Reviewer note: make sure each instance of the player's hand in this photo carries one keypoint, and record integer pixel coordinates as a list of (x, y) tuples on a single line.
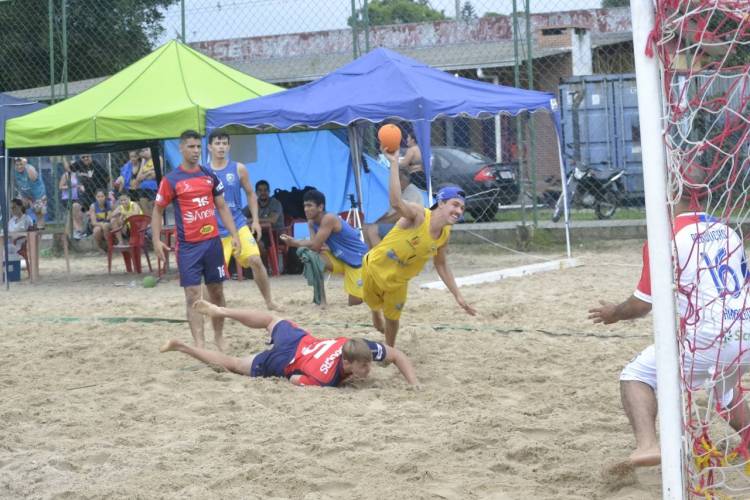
[(257, 230), (236, 246), (286, 239), (604, 314), (391, 157), (466, 306), (159, 247)]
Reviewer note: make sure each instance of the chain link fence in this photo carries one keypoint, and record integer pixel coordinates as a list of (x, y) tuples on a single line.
[(581, 51)]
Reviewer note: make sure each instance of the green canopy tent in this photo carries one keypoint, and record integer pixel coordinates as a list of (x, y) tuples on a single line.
[(155, 98)]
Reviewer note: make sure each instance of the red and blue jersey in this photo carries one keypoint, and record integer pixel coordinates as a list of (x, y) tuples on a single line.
[(318, 361), (192, 193)]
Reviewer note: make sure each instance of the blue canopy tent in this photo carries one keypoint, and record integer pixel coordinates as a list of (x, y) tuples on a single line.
[(381, 85), (10, 107)]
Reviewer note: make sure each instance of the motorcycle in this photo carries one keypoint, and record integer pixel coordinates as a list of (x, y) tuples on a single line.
[(588, 187)]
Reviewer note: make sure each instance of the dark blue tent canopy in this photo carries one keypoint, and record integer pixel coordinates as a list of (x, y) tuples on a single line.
[(10, 107), (379, 85)]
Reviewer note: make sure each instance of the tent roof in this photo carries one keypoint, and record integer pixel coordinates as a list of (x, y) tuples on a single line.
[(379, 85), (157, 97), (11, 107)]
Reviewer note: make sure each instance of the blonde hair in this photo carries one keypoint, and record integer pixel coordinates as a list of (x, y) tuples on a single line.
[(356, 350)]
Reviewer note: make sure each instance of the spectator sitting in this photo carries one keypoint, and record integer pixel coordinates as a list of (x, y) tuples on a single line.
[(145, 182), (18, 224), (375, 232), (118, 221), (70, 191), (99, 215), (412, 161), (92, 175), (128, 173), (31, 189), (270, 212)]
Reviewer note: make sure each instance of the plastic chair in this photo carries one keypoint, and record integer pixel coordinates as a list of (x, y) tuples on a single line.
[(23, 252), (170, 238), (131, 251)]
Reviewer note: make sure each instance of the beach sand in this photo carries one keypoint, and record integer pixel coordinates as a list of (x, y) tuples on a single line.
[(519, 402)]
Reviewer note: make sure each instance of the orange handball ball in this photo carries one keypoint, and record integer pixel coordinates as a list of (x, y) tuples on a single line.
[(389, 136)]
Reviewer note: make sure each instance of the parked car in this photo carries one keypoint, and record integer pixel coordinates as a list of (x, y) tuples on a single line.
[(485, 182)]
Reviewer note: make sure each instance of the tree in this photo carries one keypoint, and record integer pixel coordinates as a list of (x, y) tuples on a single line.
[(102, 38), (468, 12), (615, 3), (381, 12)]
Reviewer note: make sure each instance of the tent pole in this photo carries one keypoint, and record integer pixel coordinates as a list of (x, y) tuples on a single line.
[(354, 149), (564, 182), (4, 212)]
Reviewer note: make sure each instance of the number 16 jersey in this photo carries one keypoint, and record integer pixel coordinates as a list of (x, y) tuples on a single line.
[(711, 276), (192, 194)]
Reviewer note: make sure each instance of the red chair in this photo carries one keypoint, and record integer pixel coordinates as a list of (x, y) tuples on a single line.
[(272, 252), (131, 250), (23, 252), (170, 238)]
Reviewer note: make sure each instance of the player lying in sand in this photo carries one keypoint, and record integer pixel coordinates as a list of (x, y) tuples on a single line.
[(296, 355)]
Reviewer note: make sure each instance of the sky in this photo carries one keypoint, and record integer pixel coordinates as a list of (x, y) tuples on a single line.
[(220, 19)]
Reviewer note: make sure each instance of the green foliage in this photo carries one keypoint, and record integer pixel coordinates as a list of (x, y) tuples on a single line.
[(383, 12), (468, 12), (615, 3), (102, 37)]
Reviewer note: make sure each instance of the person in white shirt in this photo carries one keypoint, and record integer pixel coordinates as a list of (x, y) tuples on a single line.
[(712, 295), (18, 224)]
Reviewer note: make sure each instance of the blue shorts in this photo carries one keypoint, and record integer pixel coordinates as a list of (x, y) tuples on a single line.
[(202, 259), (285, 339)]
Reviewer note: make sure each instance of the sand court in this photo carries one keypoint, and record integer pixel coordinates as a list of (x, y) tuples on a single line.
[(521, 401)]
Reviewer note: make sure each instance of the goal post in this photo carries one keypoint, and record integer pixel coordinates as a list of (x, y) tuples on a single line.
[(663, 311), (692, 60)]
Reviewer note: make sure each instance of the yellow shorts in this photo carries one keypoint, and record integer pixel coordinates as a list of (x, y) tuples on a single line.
[(248, 247), (391, 300), (352, 275)]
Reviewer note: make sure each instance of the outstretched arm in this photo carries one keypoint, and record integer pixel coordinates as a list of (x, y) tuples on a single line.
[(403, 363), (319, 237), (609, 313), (445, 273), (406, 209)]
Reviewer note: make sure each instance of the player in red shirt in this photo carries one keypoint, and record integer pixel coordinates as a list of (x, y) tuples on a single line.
[(196, 195), (296, 355)]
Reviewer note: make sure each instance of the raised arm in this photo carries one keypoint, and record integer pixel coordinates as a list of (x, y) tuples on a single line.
[(446, 275), (33, 176), (630, 308), (403, 363), (406, 209)]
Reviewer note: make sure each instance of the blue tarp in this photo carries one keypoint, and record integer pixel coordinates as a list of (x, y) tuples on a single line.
[(378, 86), (314, 158)]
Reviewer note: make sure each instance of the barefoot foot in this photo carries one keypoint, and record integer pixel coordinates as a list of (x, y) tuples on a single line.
[(645, 457), (221, 343), (170, 345), (272, 306), (206, 308)]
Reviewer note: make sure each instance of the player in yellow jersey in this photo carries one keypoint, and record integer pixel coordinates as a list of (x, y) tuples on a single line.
[(420, 234)]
